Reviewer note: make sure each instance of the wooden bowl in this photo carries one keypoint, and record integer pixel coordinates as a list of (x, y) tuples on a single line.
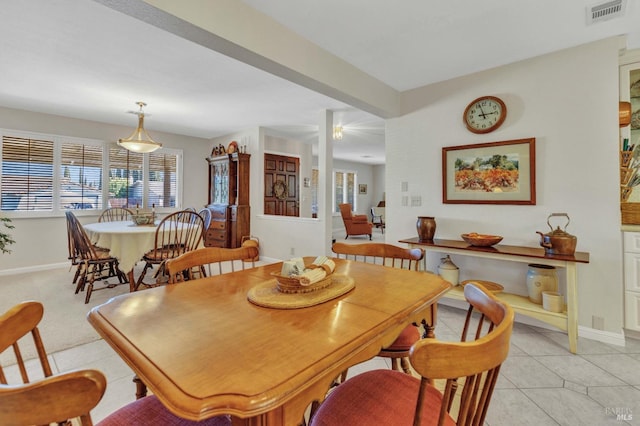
[(481, 240)]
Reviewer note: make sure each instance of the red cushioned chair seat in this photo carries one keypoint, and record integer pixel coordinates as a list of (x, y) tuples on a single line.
[(379, 397), (408, 337), (150, 411)]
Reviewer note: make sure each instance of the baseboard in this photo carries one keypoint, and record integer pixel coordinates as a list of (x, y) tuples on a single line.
[(34, 268), (609, 337), (586, 332)]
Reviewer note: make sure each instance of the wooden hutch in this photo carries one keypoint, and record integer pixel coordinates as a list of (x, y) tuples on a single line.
[(228, 200)]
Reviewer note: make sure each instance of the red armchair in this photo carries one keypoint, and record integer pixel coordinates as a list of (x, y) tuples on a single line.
[(355, 224)]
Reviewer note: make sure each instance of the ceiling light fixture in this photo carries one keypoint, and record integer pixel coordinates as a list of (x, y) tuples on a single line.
[(139, 141), (337, 133)]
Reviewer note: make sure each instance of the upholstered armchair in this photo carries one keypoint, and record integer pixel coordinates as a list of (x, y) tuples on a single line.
[(355, 224)]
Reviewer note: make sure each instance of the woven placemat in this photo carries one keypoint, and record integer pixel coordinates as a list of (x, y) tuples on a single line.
[(489, 285), (268, 296)]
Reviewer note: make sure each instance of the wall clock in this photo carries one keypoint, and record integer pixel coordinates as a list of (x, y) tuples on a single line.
[(485, 114)]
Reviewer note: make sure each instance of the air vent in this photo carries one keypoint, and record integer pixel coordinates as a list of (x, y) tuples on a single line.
[(605, 11)]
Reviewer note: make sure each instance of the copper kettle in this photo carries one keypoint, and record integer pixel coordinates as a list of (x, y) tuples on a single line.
[(558, 241)]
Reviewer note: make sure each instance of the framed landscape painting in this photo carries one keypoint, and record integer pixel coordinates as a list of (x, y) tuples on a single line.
[(490, 173)]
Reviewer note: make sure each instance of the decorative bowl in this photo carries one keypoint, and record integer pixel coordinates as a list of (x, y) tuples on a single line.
[(481, 240), (142, 219)]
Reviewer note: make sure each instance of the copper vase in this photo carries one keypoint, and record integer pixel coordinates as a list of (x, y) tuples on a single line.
[(426, 227)]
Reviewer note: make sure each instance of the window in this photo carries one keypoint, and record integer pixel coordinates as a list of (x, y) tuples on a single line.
[(49, 173), (126, 181), (80, 176), (344, 189), (27, 174)]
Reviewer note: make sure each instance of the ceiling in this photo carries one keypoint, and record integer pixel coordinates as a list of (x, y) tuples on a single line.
[(82, 59)]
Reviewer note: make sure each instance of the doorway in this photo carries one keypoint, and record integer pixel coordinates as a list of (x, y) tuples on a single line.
[(281, 185)]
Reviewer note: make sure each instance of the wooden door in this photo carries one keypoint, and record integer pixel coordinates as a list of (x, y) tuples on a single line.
[(281, 189)]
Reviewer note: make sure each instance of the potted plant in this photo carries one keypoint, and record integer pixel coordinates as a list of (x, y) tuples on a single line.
[(5, 238)]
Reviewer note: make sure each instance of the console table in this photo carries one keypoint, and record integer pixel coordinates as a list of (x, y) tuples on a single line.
[(567, 320)]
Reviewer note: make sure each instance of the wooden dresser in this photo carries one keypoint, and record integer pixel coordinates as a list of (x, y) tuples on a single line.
[(228, 200)]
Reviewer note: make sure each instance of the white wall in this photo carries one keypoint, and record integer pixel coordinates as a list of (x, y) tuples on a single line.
[(568, 101), (43, 241)]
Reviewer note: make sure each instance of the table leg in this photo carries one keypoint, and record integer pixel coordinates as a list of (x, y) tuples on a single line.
[(571, 271)]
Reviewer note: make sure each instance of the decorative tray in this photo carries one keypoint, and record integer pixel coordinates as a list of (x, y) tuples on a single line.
[(481, 240)]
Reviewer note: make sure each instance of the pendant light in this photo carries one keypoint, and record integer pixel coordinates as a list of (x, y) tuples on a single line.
[(139, 141)]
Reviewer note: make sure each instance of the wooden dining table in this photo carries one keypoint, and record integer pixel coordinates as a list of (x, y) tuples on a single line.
[(204, 349)]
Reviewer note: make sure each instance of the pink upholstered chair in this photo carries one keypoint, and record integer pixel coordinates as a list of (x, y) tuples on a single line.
[(355, 224), (385, 397)]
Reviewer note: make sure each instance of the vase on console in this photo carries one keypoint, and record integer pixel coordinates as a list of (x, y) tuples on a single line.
[(426, 227)]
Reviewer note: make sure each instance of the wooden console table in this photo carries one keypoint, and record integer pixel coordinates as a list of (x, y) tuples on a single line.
[(567, 320)]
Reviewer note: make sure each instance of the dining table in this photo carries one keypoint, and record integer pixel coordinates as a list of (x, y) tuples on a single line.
[(205, 349), (125, 240)]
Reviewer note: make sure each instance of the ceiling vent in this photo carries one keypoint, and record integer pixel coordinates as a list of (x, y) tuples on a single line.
[(605, 11)]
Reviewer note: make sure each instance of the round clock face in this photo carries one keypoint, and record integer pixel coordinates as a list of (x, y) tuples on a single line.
[(485, 114)]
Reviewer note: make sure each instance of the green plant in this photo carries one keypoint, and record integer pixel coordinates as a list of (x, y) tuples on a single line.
[(5, 239)]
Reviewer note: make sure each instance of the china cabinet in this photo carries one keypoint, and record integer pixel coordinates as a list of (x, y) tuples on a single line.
[(228, 200)]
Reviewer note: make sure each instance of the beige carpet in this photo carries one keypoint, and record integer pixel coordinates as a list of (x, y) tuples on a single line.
[(64, 324)]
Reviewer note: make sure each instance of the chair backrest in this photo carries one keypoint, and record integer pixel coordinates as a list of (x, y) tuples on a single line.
[(55, 399), (49, 398), (477, 360), (115, 214), (380, 253), (16, 323), (205, 213), (345, 211), (226, 259), (74, 256), (178, 233), (83, 247)]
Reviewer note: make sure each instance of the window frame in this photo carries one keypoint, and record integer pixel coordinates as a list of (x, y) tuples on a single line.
[(345, 172), (58, 141)]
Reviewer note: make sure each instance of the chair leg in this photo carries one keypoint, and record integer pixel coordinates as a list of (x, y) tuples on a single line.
[(369, 237), (144, 272), (405, 365), (141, 388)]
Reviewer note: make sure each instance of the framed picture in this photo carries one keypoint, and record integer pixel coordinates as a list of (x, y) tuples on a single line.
[(490, 173), (362, 188)]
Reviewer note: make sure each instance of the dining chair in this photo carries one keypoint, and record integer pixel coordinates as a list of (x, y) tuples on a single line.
[(226, 259), (205, 213), (73, 255), (471, 366), (176, 234), (395, 257), (94, 261), (113, 214), (59, 398)]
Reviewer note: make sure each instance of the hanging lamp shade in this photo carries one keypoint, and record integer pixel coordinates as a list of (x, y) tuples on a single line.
[(139, 140)]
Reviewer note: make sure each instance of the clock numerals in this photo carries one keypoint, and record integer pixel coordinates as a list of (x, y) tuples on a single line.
[(485, 114)]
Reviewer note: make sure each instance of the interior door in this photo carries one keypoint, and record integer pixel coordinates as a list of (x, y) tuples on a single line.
[(281, 189)]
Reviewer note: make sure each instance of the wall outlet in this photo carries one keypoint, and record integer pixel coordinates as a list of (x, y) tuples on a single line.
[(405, 201), (597, 323), (292, 251), (404, 186), (416, 201)]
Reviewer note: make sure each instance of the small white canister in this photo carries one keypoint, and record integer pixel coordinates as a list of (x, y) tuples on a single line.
[(449, 271)]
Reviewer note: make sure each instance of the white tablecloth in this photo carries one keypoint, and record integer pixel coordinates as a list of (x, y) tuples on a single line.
[(125, 241)]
